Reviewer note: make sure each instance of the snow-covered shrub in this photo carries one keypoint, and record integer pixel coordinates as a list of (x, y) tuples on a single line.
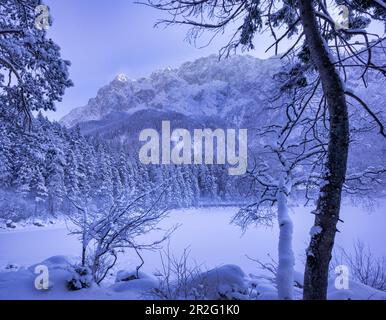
[(81, 278), (38, 223), (175, 277)]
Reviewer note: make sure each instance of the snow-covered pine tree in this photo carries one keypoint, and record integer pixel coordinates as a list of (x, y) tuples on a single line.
[(34, 75), (23, 180), (123, 170), (38, 188), (169, 181), (195, 189), (132, 174), (71, 176), (5, 157), (207, 183), (118, 189), (104, 176), (185, 184)]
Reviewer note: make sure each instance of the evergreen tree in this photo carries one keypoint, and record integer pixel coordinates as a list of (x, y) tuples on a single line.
[(33, 75), (104, 176), (71, 176), (5, 158), (55, 166), (38, 186)]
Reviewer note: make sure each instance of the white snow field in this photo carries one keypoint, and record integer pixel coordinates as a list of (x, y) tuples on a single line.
[(214, 243)]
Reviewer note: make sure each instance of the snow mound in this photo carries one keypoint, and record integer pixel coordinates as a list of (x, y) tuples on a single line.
[(128, 281), (20, 284), (225, 282)]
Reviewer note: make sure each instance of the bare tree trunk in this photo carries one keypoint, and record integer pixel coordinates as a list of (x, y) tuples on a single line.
[(328, 205)]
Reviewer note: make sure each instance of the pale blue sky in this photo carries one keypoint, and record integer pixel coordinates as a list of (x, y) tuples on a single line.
[(104, 38)]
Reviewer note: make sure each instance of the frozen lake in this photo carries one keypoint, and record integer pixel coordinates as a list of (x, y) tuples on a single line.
[(212, 240)]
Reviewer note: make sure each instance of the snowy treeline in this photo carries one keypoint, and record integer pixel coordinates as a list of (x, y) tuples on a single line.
[(41, 169)]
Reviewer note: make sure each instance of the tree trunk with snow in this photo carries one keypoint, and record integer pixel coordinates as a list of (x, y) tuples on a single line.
[(328, 205), (285, 271)]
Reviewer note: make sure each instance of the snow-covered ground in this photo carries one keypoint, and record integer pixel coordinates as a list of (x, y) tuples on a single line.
[(212, 240)]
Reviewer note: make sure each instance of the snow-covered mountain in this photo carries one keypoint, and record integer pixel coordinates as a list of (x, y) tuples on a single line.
[(205, 93), (228, 89)]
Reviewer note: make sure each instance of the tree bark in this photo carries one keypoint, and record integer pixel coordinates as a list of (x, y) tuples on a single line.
[(328, 204)]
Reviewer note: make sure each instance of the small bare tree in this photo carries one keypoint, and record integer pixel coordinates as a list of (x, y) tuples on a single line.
[(106, 232)]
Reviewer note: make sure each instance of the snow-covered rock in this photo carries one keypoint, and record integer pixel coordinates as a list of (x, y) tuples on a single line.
[(10, 224)]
